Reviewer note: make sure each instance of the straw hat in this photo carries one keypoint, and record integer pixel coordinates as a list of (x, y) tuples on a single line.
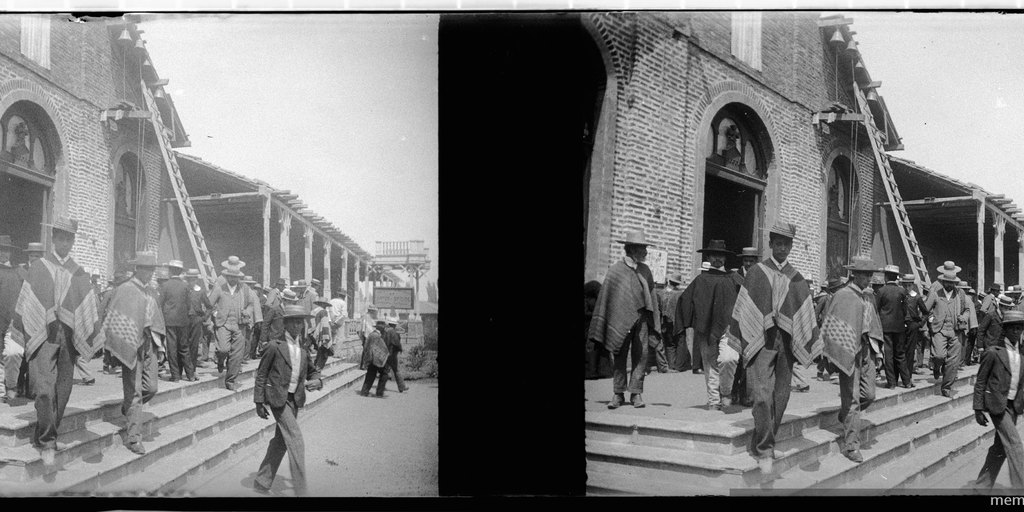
[(295, 311), (786, 229), (908, 278), (861, 264), (1013, 316), (749, 252), (635, 237), (64, 224), (144, 259), (947, 267), (5, 241), (175, 264), (192, 273), (891, 269), (1005, 301), (35, 247)]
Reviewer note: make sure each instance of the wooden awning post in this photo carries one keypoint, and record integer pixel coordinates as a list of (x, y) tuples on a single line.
[(307, 240), (266, 237), (327, 269), (286, 230), (980, 197), (997, 254)]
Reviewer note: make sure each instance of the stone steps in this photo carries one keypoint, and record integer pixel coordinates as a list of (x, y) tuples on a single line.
[(684, 458), (95, 455), (726, 437)]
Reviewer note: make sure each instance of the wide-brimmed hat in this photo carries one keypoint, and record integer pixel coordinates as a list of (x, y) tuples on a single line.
[(749, 252), (295, 311), (392, 320), (64, 224), (315, 281), (1013, 316), (35, 247), (233, 262), (175, 264), (144, 259), (371, 307), (948, 266), (995, 286), (949, 277), (1004, 301), (891, 269), (716, 247), (5, 241), (192, 273), (676, 278), (908, 278), (877, 279), (861, 264), (301, 283), (635, 237), (248, 280), (281, 281), (1013, 288), (786, 229), (322, 303), (833, 283), (963, 285), (381, 321), (289, 295)]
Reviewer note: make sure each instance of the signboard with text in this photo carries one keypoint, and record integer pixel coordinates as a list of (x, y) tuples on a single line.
[(394, 298), (657, 259)]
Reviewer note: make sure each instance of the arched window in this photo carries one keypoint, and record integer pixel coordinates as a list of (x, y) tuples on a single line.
[(26, 139), (843, 191), (734, 144), (128, 197)]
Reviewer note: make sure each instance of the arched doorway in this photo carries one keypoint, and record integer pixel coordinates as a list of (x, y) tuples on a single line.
[(842, 198), (27, 172), (591, 99), (736, 167), (128, 184)]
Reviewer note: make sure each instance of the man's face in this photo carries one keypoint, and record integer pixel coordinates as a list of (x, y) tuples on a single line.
[(948, 285), (294, 326), (32, 256), (748, 261), (861, 279), (144, 274), (637, 252), (717, 260), (372, 313), (1013, 332), (280, 287), (232, 280), (780, 246), (63, 242)]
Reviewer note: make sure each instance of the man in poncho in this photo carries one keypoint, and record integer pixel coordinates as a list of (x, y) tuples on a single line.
[(773, 324), (56, 320), (706, 305), (134, 332), (375, 360), (626, 317), (851, 332), (320, 337)]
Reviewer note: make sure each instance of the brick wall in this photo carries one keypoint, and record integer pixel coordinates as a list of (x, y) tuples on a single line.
[(87, 74), (670, 69)]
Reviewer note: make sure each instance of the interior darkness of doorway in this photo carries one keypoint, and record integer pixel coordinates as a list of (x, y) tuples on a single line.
[(729, 214), (21, 212)]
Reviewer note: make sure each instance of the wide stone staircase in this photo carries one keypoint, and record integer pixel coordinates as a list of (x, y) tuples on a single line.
[(190, 428), (907, 435)]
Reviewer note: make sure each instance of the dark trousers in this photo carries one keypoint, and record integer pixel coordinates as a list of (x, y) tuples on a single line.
[(179, 352), (856, 392), (684, 361), (254, 345), (894, 358), (599, 361), (372, 372), (969, 340), (393, 365), (139, 385), (697, 359), (946, 358), (769, 376), (670, 343), (246, 335), (287, 438), (195, 340), (634, 345), (51, 374), (1007, 445)]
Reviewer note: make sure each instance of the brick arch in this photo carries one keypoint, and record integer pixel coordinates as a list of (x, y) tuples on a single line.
[(123, 146), (602, 166), (15, 90), (715, 98), (835, 150), (598, 27)]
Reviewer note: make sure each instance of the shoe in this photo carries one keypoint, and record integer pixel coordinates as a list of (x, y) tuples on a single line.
[(11, 396), (366, 393), (947, 394), (853, 455), (137, 448), (726, 402), (637, 401), (617, 401), (259, 488), (698, 371), (748, 402), (765, 465), (403, 390), (803, 389), (670, 370), (89, 382), (48, 455), (890, 386), (662, 370)]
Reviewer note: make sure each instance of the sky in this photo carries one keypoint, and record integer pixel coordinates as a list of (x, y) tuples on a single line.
[(341, 109), (952, 83)]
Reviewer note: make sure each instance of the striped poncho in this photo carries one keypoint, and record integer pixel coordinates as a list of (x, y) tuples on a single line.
[(131, 311), (624, 295), (773, 297), (849, 316), (55, 292)]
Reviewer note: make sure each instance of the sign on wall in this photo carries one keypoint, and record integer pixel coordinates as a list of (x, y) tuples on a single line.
[(657, 259), (393, 298)]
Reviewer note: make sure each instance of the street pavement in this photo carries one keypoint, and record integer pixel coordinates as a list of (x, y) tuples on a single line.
[(355, 446)]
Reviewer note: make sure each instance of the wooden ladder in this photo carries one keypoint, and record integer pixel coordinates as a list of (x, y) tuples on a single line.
[(195, 234), (910, 245)]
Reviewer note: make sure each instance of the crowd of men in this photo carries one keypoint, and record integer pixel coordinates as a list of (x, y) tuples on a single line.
[(749, 326), (161, 321)]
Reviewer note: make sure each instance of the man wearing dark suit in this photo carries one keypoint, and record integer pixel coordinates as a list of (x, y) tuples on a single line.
[(175, 306), (394, 343), (999, 391), (281, 385), (892, 301)]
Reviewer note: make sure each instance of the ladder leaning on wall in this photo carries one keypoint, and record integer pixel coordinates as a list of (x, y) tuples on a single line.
[(195, 234), (906, 230)]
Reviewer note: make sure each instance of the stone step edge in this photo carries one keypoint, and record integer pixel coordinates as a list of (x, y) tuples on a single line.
[(113, 402), (80, 474), (731, 432), (743, 463), (169, 474), (109, 435), (602, 480)]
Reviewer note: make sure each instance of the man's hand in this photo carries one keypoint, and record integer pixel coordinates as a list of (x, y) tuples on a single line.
[(314, 385), (979, 416), (261, 411)]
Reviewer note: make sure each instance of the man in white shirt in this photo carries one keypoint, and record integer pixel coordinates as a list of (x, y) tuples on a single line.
[(999, 391)]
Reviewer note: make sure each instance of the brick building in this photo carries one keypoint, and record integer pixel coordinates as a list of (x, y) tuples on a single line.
[(701, 126), (59, 157)]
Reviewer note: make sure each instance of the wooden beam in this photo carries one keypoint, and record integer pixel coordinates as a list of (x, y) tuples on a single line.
[(873, 85), (834, 22), (937, 201), (216, 197), (160, 83), (822, 117)]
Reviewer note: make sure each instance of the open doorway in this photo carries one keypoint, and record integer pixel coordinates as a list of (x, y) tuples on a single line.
[(730, 216), (21, 211)]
